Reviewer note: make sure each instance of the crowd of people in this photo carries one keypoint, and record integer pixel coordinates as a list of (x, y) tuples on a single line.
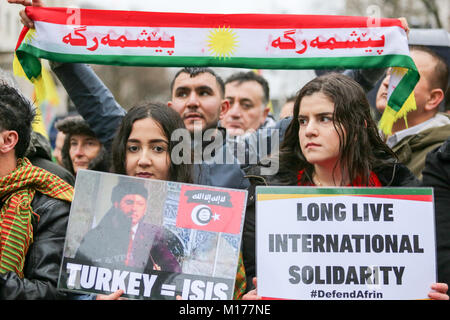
[(327, 133)]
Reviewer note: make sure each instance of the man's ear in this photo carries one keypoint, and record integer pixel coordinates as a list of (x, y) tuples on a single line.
[(8, 140), (224, 107), (435, 98), (169, 104), (265, 114)]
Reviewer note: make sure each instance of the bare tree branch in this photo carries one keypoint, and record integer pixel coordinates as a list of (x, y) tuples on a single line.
[(432, 8)]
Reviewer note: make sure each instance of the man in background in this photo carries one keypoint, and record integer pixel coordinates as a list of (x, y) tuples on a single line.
[(248, 94), (425, 128)]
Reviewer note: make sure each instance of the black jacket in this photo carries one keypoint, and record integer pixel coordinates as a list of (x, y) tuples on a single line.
[(43, 260), (393, 175), (436, 174)]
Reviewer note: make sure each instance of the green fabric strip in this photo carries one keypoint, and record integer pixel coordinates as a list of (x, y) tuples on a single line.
[(404, 89), (347, 191), (26, 53)]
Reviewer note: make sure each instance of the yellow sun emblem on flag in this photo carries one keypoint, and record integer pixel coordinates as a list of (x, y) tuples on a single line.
[(222, 42), (30, 36)]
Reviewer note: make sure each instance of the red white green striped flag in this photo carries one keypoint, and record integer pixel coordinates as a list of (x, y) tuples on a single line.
[(260, 41)]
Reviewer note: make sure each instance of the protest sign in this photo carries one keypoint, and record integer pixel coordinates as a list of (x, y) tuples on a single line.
[(154, 239), (345, 243)]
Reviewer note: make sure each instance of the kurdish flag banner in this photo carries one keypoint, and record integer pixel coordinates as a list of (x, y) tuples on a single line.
[(256, 41)]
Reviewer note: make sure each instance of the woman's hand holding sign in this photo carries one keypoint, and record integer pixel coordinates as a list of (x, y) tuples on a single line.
[(252, 294), (440, 291)]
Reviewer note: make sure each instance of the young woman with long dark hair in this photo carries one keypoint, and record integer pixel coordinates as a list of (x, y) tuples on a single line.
[(331, 141), (142, 146)]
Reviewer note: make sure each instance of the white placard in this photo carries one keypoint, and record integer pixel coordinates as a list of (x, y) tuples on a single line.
[(345, 243)]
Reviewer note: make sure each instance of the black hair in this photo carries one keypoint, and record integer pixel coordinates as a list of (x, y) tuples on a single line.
[(168, 119), (195, 71), (16, 113), (125, 187), (361, 147), (241, 77)]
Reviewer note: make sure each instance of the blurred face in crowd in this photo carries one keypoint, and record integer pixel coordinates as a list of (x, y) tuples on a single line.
[(382, 93), (133, 206), (319, 139), (287, 110), (198, 101), (423, 91), (247, 111), (83, 149), (425, 64), (147, 154), (59, 143)]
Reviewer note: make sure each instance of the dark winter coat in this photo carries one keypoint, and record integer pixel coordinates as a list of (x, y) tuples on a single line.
[(436, 174), (43, 259)]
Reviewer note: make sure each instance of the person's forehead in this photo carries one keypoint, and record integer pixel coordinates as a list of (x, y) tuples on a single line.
[(316, 103), (246, 89), (424, 62), (133, 196), (82, 136), (205, 79), (147, 129)]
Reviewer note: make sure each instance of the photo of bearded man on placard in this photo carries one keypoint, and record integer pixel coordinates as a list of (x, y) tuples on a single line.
[(123, 238)]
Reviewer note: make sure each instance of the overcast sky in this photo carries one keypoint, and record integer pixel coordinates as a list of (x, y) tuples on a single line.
[(228, 6)]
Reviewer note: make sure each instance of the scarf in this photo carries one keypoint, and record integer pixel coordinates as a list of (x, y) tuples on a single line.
[(254, 41), (240, 284), (17, 191), (373, 181)]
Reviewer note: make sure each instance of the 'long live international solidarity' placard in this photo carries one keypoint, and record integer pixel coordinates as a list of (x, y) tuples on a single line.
[(345, 243)]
